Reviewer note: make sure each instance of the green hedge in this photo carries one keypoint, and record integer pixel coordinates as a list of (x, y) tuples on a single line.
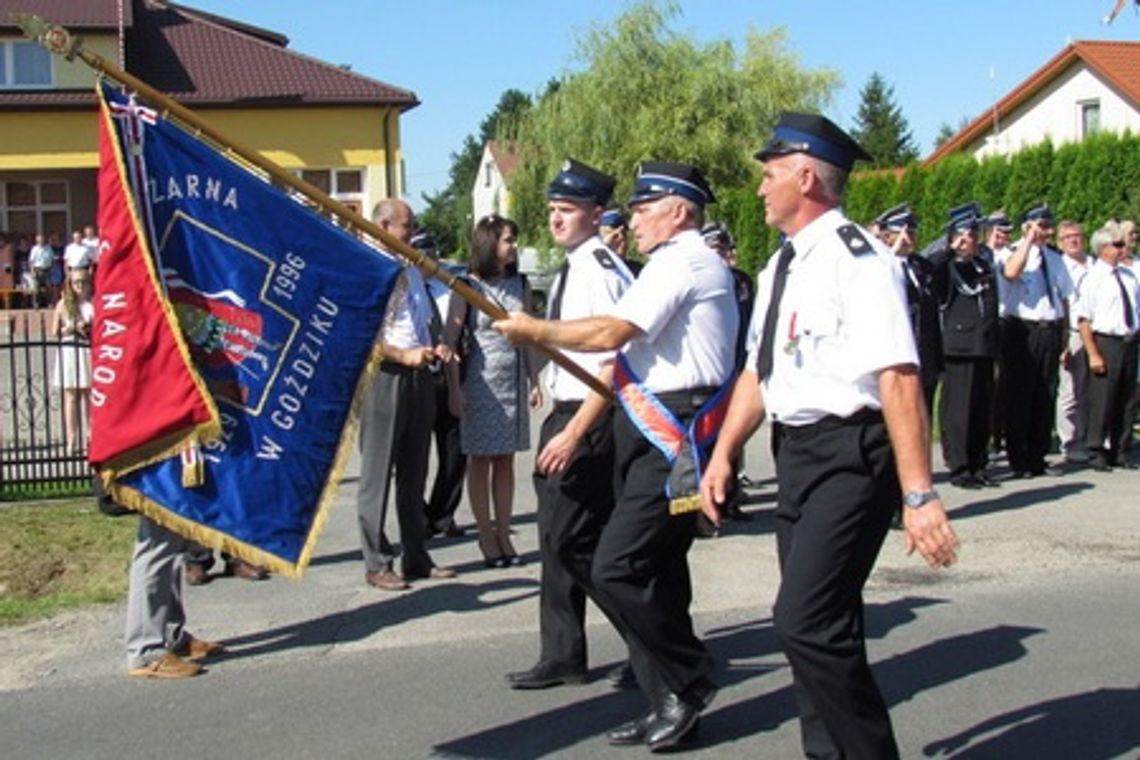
[(1090, 181)]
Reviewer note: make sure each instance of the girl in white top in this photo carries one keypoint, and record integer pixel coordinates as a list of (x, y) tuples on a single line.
[(71, 323)]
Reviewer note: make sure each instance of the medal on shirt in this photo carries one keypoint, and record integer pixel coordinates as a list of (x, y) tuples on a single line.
[(793, 343)]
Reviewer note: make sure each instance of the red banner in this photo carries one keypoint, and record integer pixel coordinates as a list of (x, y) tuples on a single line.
[(147, 401)]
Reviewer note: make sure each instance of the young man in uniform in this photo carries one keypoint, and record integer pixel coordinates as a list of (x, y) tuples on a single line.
[(835, 368), (573, 476), (676, 326), (967, 291)]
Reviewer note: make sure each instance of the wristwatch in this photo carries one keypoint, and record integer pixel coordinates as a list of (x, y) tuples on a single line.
[(915, 499)]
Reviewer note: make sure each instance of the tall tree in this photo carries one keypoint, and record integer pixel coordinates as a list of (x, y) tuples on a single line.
[(642, 91), (880, 126), (448, 213)]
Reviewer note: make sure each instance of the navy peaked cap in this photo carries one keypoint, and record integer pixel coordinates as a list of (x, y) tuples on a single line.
[(424, 241), (656, 179), (815, 135), (966, 216), (716, 233), (998, 220), (579, 182), (613, 218), (1040, 212), (898, 217)]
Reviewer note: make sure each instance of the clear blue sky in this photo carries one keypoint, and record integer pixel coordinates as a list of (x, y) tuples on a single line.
[(458, 56)]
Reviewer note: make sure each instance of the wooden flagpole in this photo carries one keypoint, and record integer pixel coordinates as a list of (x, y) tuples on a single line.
[(61, 42)]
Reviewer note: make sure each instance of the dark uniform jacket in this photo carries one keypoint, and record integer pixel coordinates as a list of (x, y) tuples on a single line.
[(967, 292), (925, 322)]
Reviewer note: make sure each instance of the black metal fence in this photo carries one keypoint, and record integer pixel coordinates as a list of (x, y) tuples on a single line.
[(43, 445)]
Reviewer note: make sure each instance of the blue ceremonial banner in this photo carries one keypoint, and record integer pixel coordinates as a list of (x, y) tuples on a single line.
[(280, 310)]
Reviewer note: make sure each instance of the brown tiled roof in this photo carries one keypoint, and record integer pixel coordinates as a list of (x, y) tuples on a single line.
[(203, 59), (76, 14), (506, 156), (1118, 63)]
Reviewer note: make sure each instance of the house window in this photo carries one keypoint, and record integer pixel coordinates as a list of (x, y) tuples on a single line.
[(1090, 117), (28, 207), (24, 65), (346, 185), (487, 174)]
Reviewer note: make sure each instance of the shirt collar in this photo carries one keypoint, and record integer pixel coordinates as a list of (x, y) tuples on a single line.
[(815, 231)]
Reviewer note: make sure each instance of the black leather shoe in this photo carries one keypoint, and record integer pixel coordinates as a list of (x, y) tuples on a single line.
[(676, 721), (628, 734), (622, 676), (986, 480), (546, 674), (965, 481)]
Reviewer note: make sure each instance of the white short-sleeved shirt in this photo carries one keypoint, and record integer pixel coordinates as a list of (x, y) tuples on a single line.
[(94, 248), (596, 278), (1078, 269), (843, 319), (77, 255), (1026, 296), (407, 320), (1102, 303), (684, 302)]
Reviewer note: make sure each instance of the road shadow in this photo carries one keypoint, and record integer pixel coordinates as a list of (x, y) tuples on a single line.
[(1010, 500), (745, 651), (388, 611), (1095, 725), (900, 678)]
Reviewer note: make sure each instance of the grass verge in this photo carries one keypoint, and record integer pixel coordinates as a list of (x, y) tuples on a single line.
[(56, 555)]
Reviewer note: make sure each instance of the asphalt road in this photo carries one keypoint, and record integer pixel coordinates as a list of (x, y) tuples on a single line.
[(1030, 647)]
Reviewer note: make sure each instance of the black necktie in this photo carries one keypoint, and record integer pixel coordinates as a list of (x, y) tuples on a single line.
[(1045, 274), (1129, 317), (768, 337), (559, 289)]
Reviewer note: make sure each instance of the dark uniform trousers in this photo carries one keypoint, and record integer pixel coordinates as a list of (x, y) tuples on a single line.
[(641, 568), (395, 425), (1031, 366), (837, 492), (1109, 395), (573, 508), (451, 464), (964, 409)]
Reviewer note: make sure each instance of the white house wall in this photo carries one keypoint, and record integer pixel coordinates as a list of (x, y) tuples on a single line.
[(1055, 112), (489, 195)]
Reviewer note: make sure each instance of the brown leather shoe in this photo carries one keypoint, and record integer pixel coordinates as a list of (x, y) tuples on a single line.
[(197, 649), (387, 580), (435, 573), (239, 568), (196, 575), (167, 667)]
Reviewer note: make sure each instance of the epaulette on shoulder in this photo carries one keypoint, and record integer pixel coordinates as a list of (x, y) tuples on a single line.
[(603, 257), (854, 239)]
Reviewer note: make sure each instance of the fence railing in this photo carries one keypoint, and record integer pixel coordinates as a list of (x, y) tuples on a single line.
[(44, 423)]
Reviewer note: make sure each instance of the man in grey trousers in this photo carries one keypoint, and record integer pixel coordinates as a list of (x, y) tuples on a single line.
[(396, 422), (158, 644)]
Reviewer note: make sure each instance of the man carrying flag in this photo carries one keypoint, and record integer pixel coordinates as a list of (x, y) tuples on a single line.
[(247, 343), (676, 328)]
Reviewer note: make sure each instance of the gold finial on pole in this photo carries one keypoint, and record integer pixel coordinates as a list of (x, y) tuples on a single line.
[(52, 36)]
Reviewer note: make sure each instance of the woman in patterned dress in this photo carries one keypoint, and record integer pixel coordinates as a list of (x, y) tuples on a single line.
[(499, 380)]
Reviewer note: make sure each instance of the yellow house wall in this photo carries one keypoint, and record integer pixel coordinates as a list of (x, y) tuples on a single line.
[(293, 138)]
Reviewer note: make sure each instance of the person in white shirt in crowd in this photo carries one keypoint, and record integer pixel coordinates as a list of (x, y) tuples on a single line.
[(1109, 323), (1033, 288), (1072, 398), (77, 255)]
